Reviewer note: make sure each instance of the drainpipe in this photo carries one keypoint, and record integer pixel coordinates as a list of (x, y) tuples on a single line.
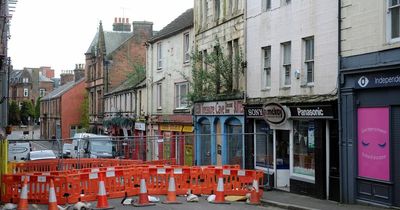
[(341, 161), (244, 64)]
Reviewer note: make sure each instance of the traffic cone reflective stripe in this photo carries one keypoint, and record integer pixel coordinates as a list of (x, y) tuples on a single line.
[(254, 195), (23, 198), (171, 194), (102, 202), (220, 194), (52, 197), (143, 197)]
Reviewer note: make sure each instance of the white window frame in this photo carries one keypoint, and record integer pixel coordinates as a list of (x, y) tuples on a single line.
[(26, 92), (159, 96), (186, 47), (287, 64), (266, 5), (389, 22), (178, 96), (309, 60), (266, 68), (217, 9), (25, 80), (159, 56), (42, 92)]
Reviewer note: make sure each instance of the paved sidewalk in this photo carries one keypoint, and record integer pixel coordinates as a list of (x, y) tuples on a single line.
[(293, 201)]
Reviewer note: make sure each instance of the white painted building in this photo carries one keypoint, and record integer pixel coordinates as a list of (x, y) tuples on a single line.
[(168, 75), (292, 70)]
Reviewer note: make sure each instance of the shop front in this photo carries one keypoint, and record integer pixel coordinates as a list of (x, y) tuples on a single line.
[(291, 143), (174, 138), (219, 132), (371, 135)]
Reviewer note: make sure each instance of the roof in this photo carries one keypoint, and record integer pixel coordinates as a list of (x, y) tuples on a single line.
[(113, 39), (126, 85), (184, 21), (15, 75), (43, 78), (61, 90)]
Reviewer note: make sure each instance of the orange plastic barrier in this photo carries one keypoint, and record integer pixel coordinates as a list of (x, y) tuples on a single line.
[(82, 185)]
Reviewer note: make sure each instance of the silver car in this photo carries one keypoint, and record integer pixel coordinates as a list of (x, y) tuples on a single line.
[(41, 155)]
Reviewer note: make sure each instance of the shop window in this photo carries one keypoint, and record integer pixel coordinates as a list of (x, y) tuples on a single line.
[(303, 148), (264, 145), (205, 142), (234, 142)]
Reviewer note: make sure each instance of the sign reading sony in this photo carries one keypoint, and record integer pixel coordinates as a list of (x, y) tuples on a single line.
[(274, 113)]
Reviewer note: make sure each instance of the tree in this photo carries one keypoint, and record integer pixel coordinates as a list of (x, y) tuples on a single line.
[(27, 111), (213, 75), (85, 112), (37, 109), (14, 114)]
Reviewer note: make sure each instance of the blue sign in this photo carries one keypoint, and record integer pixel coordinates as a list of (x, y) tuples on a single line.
[(384, 79)]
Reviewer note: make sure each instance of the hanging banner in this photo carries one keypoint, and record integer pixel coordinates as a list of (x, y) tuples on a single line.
[(373, 143)]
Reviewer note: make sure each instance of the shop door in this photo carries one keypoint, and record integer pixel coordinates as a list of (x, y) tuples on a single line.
[(282, 159), (334, 176), (218, 142)]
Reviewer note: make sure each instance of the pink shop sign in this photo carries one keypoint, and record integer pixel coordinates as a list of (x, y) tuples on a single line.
[(373, 143)]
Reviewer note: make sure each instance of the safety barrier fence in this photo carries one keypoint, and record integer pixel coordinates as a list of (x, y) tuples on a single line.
[(72, 186), (71, 164)]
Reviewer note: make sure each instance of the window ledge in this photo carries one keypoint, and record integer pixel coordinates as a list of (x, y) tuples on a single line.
[(394, 41), (182, 110), (286, 87), (266, 89)]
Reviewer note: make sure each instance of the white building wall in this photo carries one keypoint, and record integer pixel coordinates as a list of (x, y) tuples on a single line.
[(364, 27), (293, 22), (174, 70)]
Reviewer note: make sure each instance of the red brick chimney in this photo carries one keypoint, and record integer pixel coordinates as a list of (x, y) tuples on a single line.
[(121, 24)]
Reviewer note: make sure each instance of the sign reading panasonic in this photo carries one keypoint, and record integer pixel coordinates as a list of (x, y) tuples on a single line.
[(323, 111), (378, 80)]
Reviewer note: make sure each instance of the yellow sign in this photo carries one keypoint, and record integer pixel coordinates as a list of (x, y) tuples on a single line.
[(188, 128), (168, 127)]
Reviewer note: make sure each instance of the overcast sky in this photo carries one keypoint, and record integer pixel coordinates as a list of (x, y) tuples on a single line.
[(57, 33)]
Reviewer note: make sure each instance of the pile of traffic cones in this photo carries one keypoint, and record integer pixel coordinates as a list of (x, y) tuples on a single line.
[(23, 197), (143, 197), (102, 202), (220, 193), (171, 194)]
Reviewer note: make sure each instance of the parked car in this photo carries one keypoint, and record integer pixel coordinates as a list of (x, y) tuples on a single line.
[(41, 155), (87, 145)]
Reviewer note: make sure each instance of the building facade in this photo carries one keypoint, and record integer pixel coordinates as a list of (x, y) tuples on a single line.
[(291, 105), (169, 71), (220, 36), (369, 112), (61, 109), (109, 59)]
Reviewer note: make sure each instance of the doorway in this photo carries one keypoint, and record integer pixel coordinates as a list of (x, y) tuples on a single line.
[(282, 159)]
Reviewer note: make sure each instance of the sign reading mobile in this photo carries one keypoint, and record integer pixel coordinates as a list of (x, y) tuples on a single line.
[(274, 113)]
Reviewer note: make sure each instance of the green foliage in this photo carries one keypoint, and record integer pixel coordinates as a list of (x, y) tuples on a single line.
[(137, 75), (85, 112), (213, 75), (27, 111), (37, 109), (14, 117)]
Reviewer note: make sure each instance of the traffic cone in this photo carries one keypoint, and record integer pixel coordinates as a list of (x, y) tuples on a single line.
[(220, 194), (143, 197), (102, 202), (171, 194), (52, 197), (23, 198), (254, 194)]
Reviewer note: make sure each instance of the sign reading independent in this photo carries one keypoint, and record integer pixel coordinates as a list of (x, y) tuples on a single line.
[(378, 80)]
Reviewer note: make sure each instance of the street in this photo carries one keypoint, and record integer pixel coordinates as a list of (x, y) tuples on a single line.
[(202, 204)]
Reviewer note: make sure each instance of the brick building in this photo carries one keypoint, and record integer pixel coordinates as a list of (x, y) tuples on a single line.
[(111, 56), (60, 110)]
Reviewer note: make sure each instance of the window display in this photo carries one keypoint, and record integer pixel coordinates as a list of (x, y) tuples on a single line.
[(303, 147), (264, 146)]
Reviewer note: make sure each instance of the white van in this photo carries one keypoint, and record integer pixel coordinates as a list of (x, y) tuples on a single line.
[(88, 145), (18, 151)]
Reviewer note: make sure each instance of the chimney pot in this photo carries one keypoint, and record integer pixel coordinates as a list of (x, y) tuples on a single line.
[(115, 20), (127, 20), (119, 20)]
